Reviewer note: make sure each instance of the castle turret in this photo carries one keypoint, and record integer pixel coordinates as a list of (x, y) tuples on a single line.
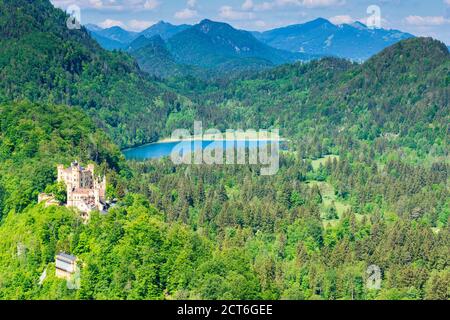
[(61, 174), (91, 168), (76, 175), (103, 189)]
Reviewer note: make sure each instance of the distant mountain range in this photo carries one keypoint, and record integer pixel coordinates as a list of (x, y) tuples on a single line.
[(117, 38), (320, 37), (208, 45), (114, 38), (218, 46), (164, 30)]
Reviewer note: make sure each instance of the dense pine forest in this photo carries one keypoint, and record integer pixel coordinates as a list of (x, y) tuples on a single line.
[(364, 180)]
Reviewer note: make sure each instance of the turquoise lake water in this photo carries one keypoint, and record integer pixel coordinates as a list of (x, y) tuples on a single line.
[(164, 149)]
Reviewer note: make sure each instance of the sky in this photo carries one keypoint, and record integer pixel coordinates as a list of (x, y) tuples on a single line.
[(419, 17)]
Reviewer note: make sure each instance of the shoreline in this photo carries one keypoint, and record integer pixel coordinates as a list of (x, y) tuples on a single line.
[(212, 137), (208, 137)]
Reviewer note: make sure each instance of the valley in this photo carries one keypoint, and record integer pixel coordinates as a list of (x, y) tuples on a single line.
[(364, 179)]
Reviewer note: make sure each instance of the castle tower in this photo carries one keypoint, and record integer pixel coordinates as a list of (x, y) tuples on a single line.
[(76, 175), (61, 177), (103, 188), (97, 196)]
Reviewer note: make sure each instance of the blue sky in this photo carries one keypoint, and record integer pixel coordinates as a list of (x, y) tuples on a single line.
[(420, 17)]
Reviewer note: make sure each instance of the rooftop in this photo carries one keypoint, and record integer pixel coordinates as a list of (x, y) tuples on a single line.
[(65, 256)]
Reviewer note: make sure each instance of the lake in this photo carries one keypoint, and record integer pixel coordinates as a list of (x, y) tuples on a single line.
[(164, 149)]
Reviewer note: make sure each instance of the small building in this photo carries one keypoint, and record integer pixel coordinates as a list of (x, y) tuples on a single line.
[(66, 265), (48, 199)]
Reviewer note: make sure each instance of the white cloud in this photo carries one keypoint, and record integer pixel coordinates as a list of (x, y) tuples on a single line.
[(269, 5), (108, 23), (133, 25), (248, 5), (96, 3), (347, 19), (115, 5), (260, 24), (139, 25), (427, 21), (227, 12), (319, 3), (342, 19), (151, 4), (189, 12), (186, 14), (192, 3)]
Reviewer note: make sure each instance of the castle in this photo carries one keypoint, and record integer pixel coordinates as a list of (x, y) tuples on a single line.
[(84, 191)]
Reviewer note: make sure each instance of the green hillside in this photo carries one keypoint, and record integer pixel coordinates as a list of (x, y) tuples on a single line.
[(402, 94), (42, 60), (155, 59), (34, 138)]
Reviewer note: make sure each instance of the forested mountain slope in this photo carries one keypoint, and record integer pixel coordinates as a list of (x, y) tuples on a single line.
[(154, 58), (42, 60), (216, 47), (402, 92), (34, 138), (210, 44)]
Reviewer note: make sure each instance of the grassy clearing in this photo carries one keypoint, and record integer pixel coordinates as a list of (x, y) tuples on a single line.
[(322, 161), (328, 197)]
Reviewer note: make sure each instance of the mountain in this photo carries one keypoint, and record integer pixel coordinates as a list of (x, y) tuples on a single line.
[(107, 43), (93, 27), (210, 44), (117, 34), (106, 40), (352, 41), (155, 59), (164, 29), (204, 50), (143, 41), (117, 38), (401, 92), (43, 61)]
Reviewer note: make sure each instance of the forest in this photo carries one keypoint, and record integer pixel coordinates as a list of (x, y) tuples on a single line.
[(364, 180)]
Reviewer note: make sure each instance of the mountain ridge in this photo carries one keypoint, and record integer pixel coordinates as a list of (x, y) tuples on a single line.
[(318, 37), (352, 41), (209, 43), (164, 29)]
